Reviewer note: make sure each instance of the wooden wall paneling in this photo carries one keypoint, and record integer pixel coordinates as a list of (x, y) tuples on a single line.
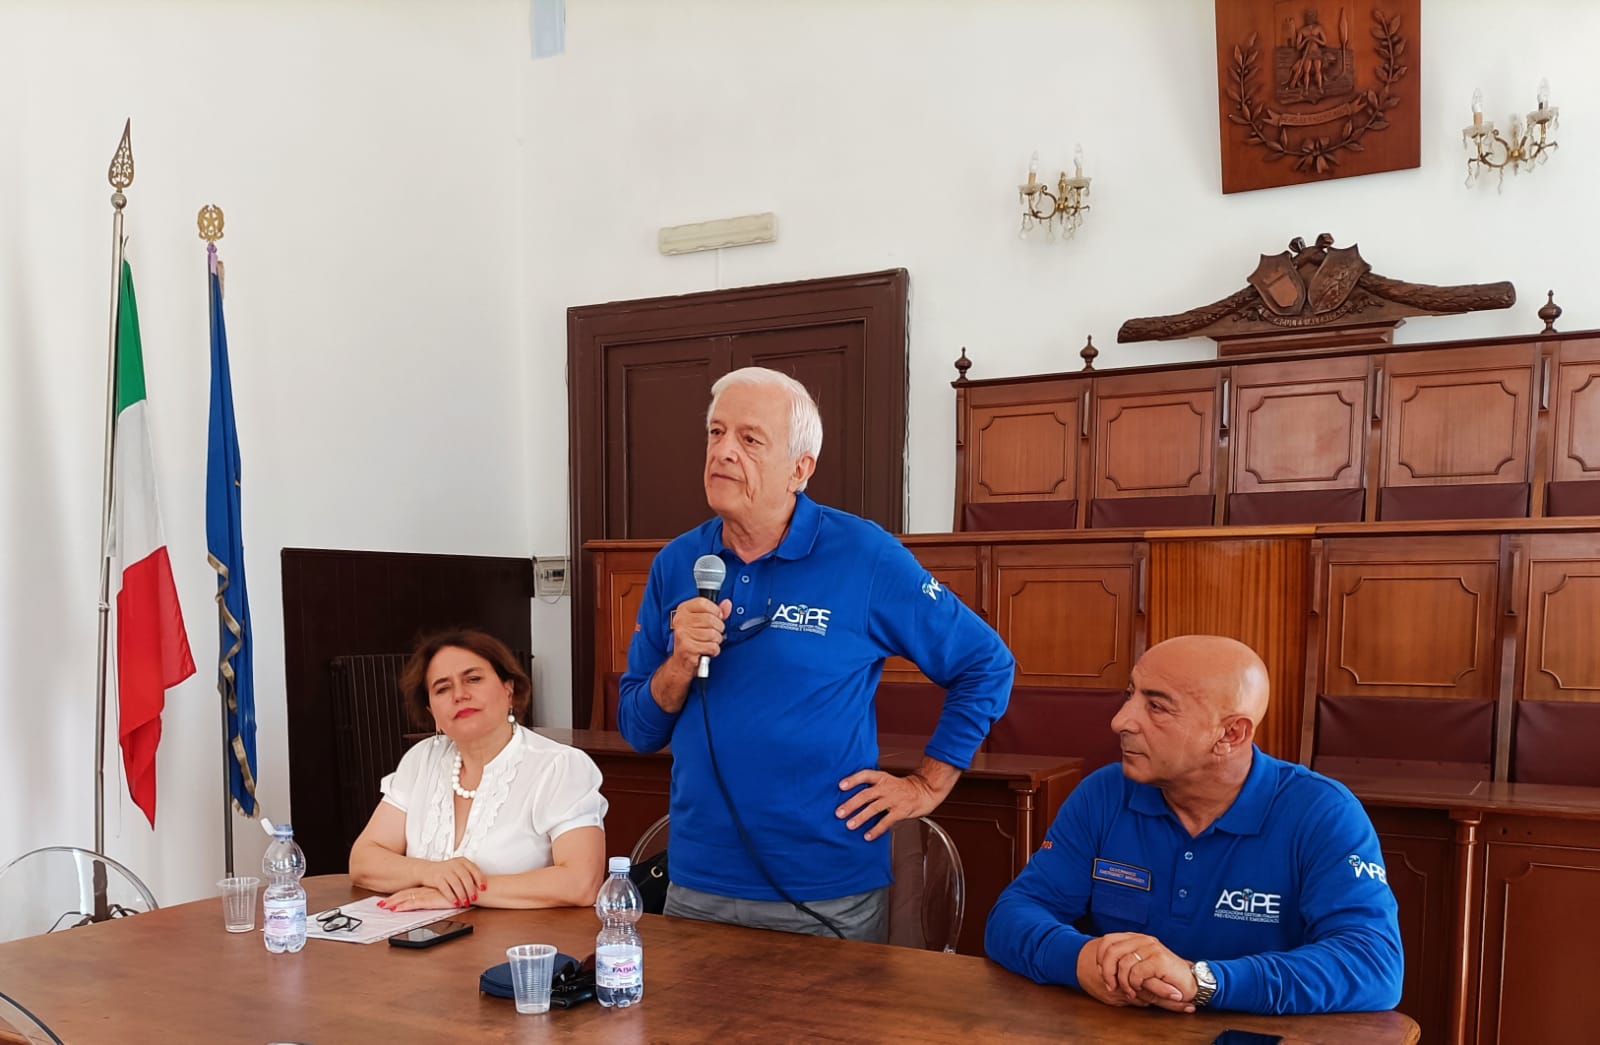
[(1377, 390), (1574, 396), (1300, 425), (963, 459), (1413, 618), (1222, 449), (1022, 442), (1255, 591), (1316, 630), (1541, 930), (1155, 434), (1419, 855), (1428, 440), (1561, 591), (1068, 612), (1514, 615), (1466, 926), (620, 578), (1544, 423), (958, 568)]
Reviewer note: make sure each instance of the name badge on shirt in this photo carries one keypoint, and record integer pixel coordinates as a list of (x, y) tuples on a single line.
[(1121, 874)]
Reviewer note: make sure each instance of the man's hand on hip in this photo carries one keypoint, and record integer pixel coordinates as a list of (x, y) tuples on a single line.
[(891, 799)]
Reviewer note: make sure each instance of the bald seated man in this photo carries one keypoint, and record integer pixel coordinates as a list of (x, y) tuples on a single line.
[(1202, 872)]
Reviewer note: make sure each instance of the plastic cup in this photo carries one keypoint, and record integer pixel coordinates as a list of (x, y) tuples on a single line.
[(239, 903), (531, 966)]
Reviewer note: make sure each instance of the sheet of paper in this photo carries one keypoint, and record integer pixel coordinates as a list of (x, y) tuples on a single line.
[(376, 923)]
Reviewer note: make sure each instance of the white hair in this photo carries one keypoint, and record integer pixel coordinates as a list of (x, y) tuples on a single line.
[(805, 424)]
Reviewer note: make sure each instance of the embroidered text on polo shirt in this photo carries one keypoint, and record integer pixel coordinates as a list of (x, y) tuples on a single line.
[(1248, 905), (1370, 868), (800, 617)]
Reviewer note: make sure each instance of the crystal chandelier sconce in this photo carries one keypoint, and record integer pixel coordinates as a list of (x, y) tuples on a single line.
[(1063, 207), (1526, 146)]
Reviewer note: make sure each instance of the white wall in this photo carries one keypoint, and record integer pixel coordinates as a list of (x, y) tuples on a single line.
[(892, 133), (366, 157), (413, 202)]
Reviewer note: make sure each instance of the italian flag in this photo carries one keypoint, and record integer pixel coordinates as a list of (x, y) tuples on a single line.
[(152, 647)]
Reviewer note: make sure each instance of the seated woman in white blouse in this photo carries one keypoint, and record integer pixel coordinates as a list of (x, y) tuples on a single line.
[(487, 812)]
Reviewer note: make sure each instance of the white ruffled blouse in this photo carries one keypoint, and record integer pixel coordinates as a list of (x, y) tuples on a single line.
[(533, 792)]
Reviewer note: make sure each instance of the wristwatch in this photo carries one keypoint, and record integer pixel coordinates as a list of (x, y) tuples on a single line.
[(1205, 984)]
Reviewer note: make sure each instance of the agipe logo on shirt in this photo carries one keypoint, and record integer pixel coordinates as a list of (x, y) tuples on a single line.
[(931, 588), (797, 616), (1367, 868), (1249, 905)]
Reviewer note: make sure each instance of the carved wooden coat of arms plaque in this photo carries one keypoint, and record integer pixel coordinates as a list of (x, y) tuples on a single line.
[(1312, 90)]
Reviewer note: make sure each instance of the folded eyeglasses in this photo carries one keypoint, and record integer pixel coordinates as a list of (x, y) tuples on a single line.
[(337, 921)]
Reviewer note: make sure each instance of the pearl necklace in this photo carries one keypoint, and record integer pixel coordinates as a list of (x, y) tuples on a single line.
[(455, 781)]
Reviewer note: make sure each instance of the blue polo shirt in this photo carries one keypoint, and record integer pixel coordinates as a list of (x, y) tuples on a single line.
[(790, 699), (1285, 895)]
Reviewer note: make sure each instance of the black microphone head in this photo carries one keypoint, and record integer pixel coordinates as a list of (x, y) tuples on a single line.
[(709, 573)]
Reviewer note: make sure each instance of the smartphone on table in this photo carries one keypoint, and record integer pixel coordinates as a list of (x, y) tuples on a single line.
[(1245, 1037), (430, 934)]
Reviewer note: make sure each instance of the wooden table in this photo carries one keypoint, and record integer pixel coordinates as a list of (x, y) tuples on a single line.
[(174, 975), (997, 813)]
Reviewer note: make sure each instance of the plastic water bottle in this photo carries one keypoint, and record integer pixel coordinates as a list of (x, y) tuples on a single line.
[(284, 903), (618, 951)]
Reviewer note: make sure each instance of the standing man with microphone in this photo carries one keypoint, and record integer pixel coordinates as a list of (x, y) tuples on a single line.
[(757, 652)]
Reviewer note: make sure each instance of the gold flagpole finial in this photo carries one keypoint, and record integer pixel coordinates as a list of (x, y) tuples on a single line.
[(120, 173), (209, 221)]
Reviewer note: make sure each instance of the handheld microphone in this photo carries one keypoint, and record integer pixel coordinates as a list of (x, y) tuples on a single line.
[(709, 573)]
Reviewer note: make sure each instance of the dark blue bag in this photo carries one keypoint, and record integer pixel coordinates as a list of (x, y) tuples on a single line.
[(571, 982)]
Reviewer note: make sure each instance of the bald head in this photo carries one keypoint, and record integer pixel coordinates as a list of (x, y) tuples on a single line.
[(1223, 672)]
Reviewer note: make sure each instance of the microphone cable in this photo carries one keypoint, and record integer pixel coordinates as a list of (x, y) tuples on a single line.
[(744, 835)]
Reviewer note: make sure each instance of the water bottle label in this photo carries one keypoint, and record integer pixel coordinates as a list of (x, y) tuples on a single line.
[(619, 967), (284, 918)]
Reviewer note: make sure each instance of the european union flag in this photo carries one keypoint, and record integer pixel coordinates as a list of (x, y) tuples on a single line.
[(225, 548)]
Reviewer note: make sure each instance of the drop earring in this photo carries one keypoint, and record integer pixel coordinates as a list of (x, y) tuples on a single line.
[(511, 717)]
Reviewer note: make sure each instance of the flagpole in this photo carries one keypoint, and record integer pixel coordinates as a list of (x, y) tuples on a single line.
[(120, 174), (209, 222)]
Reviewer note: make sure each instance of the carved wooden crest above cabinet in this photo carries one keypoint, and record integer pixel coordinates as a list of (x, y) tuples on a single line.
[(1315, 297)]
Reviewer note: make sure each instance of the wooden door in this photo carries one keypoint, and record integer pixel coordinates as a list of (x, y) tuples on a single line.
[(640, 376), (1072, 614)]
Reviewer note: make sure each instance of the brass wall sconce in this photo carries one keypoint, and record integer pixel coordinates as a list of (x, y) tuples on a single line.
[(1526, 147), (1063, 207)]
